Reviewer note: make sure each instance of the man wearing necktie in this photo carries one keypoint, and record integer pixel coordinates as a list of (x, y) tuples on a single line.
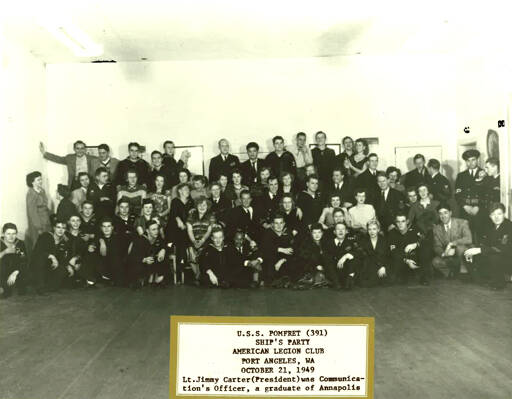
[(252, 166), (466, 194), (452, 237), (224, 163)]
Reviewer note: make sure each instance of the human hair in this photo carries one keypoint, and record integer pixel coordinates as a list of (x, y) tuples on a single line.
[(392, 169), (401, 214), (180, 186), (410, 189), (63, 190), (495, 206), (82, 174), (237, 171), (200, 200), (337, 210), (281, 201), (316, 226), (134, 144), (443, 205), (373, 155), (338, 169), (277, 215), (131, 170), (156, 152), (252, 144), (320, 132), (217, 229), (87, 202), (422, 185), (31, 177), (221, 140), (434, 164), (300, 134), (373, 222), (419, 156), (123, 200), (162, 176), (9, 226), (381, 174), (167, 142), (99, 171), (151, 222), (106, 219), (56, 220), (272, 177), (200, 178), (245, 192), (340, 223), (311, 177), (346, 138), (104, 147), (359, 190), (189, 175), (215, 183), (275, 138), (334, 195), (147, 201), (493, 161), (365, 145), (286, 173), (78, 142)]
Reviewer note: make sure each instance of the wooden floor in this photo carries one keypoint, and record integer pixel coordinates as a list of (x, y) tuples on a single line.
[(450, 340)]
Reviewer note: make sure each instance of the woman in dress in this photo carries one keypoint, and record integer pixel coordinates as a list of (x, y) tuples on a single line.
[(360, 214), (394, 175), (288, 184), (184, 176), (234, 189), (200, 222), (161, 198), (376, 255), (326, 219), (176, 231), (358, 161), (38, 213), (292, 216)]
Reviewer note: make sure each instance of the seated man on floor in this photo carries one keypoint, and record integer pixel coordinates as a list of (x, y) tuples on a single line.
[(280, 265), (248, 257), (493, 257), (221, 264), (343, 264), (452, 237), (405, 246), (13, 261), (147, 261)]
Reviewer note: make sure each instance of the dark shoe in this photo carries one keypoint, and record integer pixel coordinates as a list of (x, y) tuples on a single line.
[(349, 283), (254, 284)]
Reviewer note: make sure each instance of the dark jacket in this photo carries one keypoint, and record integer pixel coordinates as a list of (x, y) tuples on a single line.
[(70, 161), (324, 162), (219, 166), (249, 175)]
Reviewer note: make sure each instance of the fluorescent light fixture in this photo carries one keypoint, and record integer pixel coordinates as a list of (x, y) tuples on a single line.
[(74, 38)]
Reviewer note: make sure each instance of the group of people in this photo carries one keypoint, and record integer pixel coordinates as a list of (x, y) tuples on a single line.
[(301, 217)]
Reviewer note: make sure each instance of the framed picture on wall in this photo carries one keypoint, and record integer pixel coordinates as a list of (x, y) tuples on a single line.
[(92, 150), (373, 143), (335, 147)]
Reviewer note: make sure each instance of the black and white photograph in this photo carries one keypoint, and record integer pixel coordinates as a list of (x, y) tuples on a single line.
[(243, 158)]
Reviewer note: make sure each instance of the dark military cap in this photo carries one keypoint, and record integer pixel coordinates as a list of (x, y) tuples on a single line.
[(470, 154)]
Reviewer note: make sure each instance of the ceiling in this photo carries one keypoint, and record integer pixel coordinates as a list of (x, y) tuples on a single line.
[(198, 30)]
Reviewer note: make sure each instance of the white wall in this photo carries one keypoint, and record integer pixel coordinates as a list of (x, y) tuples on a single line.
[(22, 119), (403, 100)]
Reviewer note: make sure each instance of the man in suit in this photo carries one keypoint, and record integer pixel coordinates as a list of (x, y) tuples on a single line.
[(250, 260), (452, 237), (250, 168), (102, 194), (466, 194), (79, 195), (340, 185), (75, 163), (368, 180), (343, 263), (281, 160), (224, 163), (323, 158), (492, 256), (269, 201), (390, 202), (104, 160), (419, 175), (171, 164), (247, 218), (280, 265), (439, 185), (132, 162), (348, 150)]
